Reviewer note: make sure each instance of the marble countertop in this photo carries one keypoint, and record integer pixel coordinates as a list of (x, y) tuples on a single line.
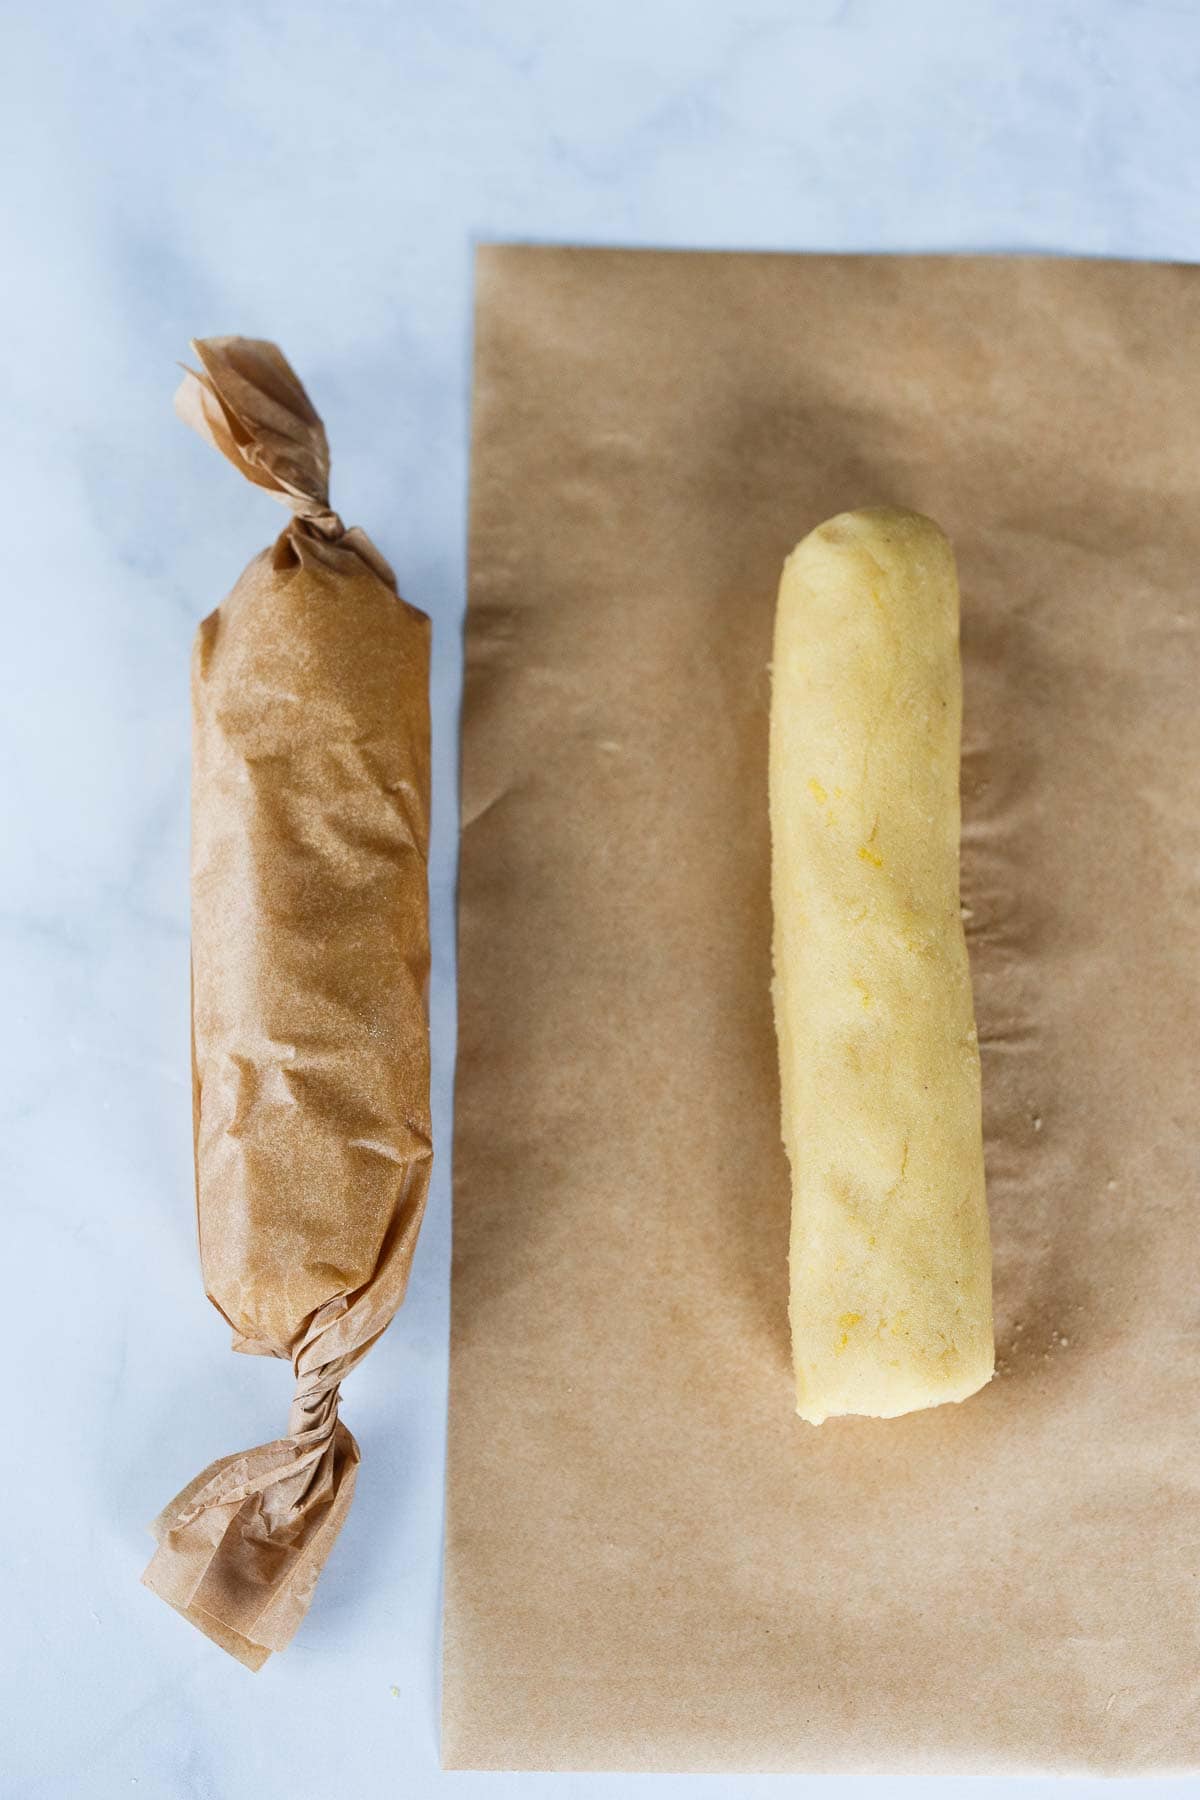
[(319, 174)]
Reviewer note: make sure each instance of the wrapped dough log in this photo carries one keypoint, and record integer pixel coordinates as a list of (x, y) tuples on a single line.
[(310, 960), (891, 1305)]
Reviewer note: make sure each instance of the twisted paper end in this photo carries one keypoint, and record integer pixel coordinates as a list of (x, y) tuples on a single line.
[(240, 1549), (247, 401)]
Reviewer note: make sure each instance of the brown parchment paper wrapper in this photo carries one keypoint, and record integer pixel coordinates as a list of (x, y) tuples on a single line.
[(651, 1562), (310, 961)]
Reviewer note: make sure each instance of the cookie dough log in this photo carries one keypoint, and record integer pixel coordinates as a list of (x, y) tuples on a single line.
[(891, 1292)]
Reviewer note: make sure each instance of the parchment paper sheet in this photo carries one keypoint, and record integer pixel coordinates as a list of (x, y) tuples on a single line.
[(310, 957), (651, 1562)]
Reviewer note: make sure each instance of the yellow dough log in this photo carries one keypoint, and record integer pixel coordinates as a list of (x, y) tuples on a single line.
[(891, 1283)]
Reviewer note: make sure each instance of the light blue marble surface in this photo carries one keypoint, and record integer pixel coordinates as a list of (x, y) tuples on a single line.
[(318, 174)]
